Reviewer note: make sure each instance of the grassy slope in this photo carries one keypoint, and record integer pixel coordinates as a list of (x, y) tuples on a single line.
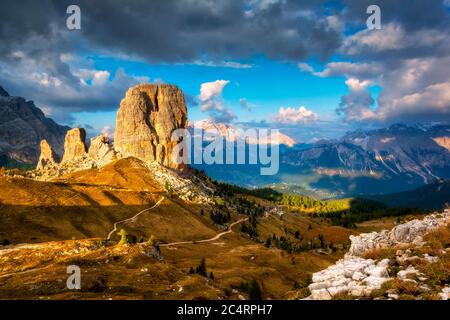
[(87, 203)]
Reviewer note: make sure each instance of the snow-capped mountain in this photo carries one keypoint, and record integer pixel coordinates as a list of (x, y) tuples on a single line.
[(232, 132)]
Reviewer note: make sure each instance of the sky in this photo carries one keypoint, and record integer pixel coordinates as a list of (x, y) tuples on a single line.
[(310, 68)]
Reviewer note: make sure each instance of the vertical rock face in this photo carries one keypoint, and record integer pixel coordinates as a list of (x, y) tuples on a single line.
[(147, 116), (75, 144), (47, 157), (101, 150)]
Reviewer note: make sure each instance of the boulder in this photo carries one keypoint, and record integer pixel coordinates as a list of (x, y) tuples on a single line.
[(47, 157), (74, 145), (146, 119), (101, 150)]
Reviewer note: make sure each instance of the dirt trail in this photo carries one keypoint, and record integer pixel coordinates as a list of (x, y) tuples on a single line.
[(133, 217), (216, 237)]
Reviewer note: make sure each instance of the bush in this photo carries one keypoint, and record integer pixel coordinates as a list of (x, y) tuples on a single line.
[(201, 269), (254, 291)]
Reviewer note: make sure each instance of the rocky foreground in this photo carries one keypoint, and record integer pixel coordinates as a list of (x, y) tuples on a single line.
[(409, 262)]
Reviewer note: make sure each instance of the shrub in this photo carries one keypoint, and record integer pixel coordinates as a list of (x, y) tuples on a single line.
[(201, 269)]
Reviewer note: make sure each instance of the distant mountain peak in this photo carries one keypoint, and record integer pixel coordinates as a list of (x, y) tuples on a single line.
[(230, 131), (3, 92)]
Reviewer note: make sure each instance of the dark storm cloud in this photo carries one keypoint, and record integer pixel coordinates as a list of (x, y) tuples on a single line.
[(184, 30), (413, 15), (34, 40)]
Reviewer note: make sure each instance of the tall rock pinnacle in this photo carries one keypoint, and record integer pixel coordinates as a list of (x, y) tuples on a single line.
[(47, 157), (75, 144), (147, 116)]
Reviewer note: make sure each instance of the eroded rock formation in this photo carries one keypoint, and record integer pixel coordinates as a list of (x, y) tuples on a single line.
[(75, 144), (47, 157), (101, 150), (146, 119), (358, 277)]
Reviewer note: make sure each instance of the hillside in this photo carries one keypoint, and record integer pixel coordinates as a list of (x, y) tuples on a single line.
[(69, 218), (85, 204), (434, 196)]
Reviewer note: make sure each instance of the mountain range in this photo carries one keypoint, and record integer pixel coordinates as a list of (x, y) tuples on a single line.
[(388, 160), (22, 127)]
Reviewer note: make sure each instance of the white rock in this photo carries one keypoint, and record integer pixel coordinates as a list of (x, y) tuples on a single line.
[(321, 294)]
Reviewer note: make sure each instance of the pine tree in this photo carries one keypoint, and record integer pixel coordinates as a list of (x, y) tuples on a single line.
[(254, 291), (201, 269)]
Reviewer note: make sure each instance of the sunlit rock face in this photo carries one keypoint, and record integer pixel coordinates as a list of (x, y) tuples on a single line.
[(75, 144), (146, 119)]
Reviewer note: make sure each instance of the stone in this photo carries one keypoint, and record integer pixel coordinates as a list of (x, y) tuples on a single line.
[(404, 274), (374, 282), (358, 276), (445, 293), (321, 294), (74, 144), (146, 119), (101, 150), (47, 157)]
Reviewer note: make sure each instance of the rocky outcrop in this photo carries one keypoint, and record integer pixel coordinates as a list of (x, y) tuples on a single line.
[(23, 126), (101, 150), (146, 119), (357, 276), (410, 232), (74, 145), (47, 157)]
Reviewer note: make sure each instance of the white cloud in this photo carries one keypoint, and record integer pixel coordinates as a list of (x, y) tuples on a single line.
[(348, 69), (108, 131), (223, 64), (355, 106), (211, 95), (211, 101), (292, 116), (391, 38)]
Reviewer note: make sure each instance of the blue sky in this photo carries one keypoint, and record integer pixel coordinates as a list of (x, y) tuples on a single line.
[(267, 85)]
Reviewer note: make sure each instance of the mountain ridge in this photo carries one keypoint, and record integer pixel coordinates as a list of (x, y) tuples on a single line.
[(23, 126)]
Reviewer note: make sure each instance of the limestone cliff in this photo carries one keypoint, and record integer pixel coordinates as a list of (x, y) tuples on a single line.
[(47, 157), (75, 144), (146, 119)]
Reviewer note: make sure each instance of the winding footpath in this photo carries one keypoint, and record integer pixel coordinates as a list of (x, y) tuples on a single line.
[(133, 217), (216, 237)]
